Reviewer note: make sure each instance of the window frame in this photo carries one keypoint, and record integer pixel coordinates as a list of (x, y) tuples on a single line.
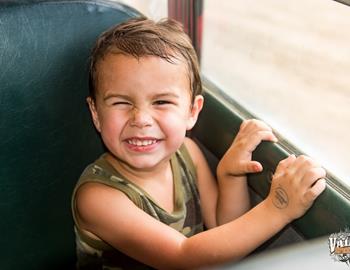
[(331, 210)]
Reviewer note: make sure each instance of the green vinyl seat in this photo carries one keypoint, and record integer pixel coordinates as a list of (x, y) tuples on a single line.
[(46, 134)]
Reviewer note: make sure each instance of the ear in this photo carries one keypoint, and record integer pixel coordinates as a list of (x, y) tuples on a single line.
[(195, 110), (94, 114)]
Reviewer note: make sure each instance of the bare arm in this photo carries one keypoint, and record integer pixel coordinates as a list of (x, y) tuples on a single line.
[(110, 215), (228, 198), (140, 236)]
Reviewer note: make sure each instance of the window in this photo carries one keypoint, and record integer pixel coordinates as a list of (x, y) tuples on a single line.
[(155, 9), (287, 62)]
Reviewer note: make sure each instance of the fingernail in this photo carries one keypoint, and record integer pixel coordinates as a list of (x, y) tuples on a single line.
[(257, 168)]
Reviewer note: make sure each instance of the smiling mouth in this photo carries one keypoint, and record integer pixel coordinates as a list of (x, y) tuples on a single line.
[(141, 142)]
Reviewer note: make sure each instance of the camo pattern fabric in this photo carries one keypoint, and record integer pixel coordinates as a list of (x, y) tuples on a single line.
[(186, 218)]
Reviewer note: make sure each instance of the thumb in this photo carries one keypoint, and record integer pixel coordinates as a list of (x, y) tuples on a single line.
[(251, 167)]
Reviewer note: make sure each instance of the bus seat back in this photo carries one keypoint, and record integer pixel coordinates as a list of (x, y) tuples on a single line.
[(47, 137)]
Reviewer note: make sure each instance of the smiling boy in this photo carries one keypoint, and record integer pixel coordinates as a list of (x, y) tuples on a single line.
[(143, 109), (145, 202)]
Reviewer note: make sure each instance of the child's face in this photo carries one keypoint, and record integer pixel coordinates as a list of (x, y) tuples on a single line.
[(143, 108)]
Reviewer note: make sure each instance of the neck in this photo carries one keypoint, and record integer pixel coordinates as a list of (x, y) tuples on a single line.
[(137, 174)]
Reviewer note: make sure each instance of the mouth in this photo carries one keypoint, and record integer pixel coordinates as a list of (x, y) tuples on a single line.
[(142, 142)]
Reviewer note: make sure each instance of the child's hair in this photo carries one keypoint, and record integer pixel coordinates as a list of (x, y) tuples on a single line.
[(143, 37)]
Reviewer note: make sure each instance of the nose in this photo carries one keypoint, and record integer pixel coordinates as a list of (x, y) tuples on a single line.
[(141, 118)]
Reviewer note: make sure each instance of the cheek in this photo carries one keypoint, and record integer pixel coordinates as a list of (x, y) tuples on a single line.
[(174, 123), (111, 125)]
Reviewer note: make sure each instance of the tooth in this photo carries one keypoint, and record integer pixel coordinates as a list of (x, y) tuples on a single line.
[(138, 142)]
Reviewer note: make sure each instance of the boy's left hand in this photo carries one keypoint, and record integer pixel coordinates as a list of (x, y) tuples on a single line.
[(237, 161)]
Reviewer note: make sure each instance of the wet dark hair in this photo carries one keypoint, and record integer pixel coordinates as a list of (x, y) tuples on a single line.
[(140, 37)]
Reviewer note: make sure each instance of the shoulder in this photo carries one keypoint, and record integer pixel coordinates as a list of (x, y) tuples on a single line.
[(195, 152), (109, 215), (207, 185), (95, 201), (199, 162), (94, 170)]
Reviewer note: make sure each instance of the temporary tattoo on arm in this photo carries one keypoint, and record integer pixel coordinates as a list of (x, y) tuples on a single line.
[(280, 198)]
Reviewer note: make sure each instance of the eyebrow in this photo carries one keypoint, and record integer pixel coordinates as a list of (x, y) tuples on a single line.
[(167, 94), (111, 95), (161, 95)]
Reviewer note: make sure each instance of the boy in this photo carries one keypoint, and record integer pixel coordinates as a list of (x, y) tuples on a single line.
[(144, 203)]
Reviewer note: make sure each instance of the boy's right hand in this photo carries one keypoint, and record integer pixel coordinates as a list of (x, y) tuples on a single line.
[(237, 160), (296, 183)]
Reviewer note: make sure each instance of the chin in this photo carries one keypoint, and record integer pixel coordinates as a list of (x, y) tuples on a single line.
[(145, 166)]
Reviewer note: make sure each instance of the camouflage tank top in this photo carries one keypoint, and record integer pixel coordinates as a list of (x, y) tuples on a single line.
[(187, 219)]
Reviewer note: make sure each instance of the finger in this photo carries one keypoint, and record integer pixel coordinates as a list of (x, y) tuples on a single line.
[(265, 135), (309, 159), (312, 175), (253, 124), (285, 163), (250, 128), (250, 167), (316, 190), (302, 165), (243, 124), (255, 139)]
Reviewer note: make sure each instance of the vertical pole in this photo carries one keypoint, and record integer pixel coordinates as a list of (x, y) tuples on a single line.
[(190, 14)]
